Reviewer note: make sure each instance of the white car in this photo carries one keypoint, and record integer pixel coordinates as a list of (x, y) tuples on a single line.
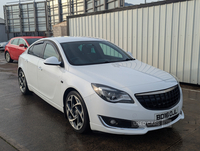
[(99, 86)]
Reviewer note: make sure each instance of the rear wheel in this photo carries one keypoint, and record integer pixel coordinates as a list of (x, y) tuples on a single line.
[(22, 82), (76, 112), (7, 57)]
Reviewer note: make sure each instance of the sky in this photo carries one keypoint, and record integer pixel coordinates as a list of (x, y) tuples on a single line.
[(3, 2)]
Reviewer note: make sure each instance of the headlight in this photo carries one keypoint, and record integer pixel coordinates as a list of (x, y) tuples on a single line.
[(111, 95)]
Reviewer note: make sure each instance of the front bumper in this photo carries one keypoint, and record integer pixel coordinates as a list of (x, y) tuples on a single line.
[(128, 131), (133, 112)]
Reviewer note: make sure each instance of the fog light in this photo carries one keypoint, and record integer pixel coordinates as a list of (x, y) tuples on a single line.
[(115, 122)]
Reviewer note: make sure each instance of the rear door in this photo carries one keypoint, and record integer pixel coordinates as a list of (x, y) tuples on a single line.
[(13, 48), (34, 55)]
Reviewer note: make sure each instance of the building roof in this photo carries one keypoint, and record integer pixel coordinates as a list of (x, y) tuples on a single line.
[(1, 20)]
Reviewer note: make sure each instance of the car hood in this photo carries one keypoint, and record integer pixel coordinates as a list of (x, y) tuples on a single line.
[(121, 74)]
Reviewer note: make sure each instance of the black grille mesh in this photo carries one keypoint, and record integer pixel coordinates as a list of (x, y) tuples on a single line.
[(160, 101)]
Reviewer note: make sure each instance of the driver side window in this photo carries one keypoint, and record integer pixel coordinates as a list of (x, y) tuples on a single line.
[(49, 51), (21, 41)]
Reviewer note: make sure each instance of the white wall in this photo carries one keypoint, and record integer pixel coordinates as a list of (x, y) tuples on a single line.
[(165, 36)]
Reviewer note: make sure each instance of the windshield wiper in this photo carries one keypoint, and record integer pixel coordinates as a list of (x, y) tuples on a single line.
[(106, 62), (127, 59)]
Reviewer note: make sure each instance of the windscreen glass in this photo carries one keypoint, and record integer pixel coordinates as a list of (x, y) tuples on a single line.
[(93, 52)]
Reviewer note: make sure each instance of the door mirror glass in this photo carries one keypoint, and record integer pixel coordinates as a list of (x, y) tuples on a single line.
[(52, 61), (21, 45)]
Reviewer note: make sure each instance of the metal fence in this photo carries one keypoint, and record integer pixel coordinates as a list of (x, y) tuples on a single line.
[(59, 9), (26, 18), (163, 34)]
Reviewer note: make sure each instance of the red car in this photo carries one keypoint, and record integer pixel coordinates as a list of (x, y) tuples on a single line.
[(17, 46)]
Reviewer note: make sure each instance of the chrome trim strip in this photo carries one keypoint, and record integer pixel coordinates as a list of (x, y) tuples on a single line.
[(157, 92), (106, 125)]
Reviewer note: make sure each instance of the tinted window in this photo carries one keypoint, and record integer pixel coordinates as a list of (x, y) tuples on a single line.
[(36, 50), (21, 41), (50, 51), (14, 42), (93, 52), (107, 50), (32, 40)]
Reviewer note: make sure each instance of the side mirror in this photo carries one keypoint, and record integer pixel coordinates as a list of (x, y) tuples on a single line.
[(130, 54), (52, 61), (21, 45)]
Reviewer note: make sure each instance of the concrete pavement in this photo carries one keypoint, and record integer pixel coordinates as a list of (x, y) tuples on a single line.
[(29, 123)]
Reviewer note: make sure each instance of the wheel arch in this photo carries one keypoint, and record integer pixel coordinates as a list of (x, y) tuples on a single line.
[(5, 51), (19, 68), (67, 91), (5, 54)]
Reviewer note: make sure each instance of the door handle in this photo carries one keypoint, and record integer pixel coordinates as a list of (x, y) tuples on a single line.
[(40, 68)]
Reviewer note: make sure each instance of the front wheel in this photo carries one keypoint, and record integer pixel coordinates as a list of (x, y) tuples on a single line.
[(76, 112), (7, 57), (22, 82)]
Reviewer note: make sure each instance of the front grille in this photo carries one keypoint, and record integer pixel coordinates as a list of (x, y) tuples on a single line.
[(159, 100)]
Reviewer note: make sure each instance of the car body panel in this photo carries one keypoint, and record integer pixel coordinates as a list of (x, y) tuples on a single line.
[(53, 92), (31, 71), (101, 73), (50, 82)]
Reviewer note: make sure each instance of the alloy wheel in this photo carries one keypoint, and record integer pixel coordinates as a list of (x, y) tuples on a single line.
[(22, 81), (75, 113), (7, 57)]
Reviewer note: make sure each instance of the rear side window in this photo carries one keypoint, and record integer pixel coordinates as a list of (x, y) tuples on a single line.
[(14, 42), (36, 50)]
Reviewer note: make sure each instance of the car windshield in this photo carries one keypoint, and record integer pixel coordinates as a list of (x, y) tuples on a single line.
[(32, 40), (93, 52)]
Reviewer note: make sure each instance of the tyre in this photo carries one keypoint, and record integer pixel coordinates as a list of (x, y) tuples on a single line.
[(7, 57), (76, 112), (22, 82)]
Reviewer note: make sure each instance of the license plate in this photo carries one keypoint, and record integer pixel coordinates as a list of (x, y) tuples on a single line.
[(166, 115)]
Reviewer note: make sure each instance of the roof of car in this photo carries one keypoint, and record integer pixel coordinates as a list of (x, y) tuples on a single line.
[(29, 37), (73, 39)]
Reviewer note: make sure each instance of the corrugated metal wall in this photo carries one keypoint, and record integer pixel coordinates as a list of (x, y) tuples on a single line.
[(165, 36)]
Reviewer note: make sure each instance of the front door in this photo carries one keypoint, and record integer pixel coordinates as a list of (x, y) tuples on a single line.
[(20, 50), (49, 76)]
